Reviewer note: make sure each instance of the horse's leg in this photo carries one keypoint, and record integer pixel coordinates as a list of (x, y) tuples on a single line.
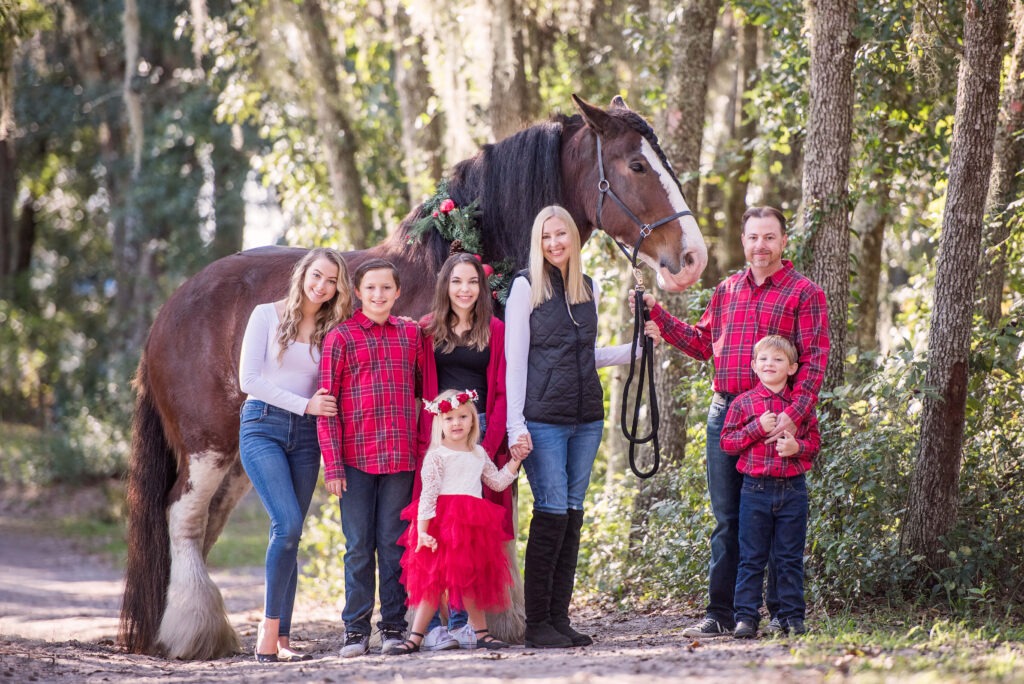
[(195, 625), (235, 485)]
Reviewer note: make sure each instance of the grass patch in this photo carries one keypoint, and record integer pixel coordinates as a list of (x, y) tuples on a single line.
[(243, 543), (889, 646)]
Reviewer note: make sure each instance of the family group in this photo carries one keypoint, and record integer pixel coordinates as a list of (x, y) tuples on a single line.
[(422, 427)]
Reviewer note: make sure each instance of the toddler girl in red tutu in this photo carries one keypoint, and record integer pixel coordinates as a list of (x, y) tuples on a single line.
[(455, 542)]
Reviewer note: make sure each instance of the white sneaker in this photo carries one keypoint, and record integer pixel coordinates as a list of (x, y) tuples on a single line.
[(465, 636), (356, 644), (438, 639)]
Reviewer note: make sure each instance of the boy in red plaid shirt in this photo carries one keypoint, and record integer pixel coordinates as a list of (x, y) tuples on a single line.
[(773, 499), (372, 363)]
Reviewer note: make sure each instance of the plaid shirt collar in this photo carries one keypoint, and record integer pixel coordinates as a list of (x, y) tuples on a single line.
[(366, 322), (778, 279)]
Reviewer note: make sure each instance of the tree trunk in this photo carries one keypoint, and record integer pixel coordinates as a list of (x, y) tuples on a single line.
[(230, 168), (932, 507), (422, 122), (827, 164), (870, 218), (684, 135), (509, 98), (730, 255), (8, 191), (336, 131), (127, 252), (1007, 183)]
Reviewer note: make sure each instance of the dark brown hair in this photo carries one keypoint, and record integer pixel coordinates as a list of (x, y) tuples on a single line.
[(763, 212), (442, 325), (375, 265)]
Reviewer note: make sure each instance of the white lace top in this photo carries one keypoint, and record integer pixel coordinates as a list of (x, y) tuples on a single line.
[(458, 472)]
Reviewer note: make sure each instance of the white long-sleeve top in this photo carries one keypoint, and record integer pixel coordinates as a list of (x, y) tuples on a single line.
[(287, 385), (446, 471), (517, 352)]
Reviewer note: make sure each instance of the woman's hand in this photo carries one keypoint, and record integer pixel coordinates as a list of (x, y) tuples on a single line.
[(425, 539), (322, 403), (522, 448)]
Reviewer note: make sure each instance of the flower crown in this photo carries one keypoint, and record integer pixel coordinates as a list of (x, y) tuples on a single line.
[(452, 403)]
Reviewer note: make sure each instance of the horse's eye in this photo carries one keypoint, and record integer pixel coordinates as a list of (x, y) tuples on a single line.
[(636, 167)]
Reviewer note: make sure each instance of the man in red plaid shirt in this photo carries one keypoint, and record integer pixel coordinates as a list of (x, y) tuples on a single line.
[(371, 364), (769, 297)]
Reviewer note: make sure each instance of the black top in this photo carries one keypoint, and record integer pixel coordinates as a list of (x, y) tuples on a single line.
[(464, 368)]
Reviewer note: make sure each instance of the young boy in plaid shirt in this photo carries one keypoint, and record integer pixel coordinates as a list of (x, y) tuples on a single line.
[(372, 363), (773, 499)]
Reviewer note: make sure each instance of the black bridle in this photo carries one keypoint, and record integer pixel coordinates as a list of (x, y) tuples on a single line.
[(640, 316)]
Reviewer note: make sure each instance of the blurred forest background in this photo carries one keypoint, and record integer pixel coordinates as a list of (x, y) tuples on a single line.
[(141, 140)]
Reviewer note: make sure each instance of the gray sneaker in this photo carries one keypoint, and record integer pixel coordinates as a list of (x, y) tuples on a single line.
[(745, 630), (774, 627), (465, 636), (390, 639), (438, 639), (356, 644), (708, 629)]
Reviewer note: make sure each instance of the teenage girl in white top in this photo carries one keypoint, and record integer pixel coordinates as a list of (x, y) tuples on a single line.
[(278, 442)]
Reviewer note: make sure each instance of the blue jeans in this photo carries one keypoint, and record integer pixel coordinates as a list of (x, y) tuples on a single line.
[(370, 510), (458, 618), (773, 520), (280, 453), (559, 466)]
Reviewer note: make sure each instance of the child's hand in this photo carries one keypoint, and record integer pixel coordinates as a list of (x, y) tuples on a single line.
[(787, 444), (522, 448), (426, 540), (768, 421)]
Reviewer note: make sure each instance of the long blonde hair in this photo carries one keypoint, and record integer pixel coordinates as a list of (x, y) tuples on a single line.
[(333, 311), (442, 325), (436, 430), (576, 290)]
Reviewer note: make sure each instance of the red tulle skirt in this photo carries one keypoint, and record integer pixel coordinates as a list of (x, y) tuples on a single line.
[(470, 560)]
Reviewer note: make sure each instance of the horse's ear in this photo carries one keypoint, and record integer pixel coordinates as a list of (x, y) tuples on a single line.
[(596, 118), (619, 103)]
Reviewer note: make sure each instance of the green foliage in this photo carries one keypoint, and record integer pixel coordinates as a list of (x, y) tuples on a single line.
[(885, 644)]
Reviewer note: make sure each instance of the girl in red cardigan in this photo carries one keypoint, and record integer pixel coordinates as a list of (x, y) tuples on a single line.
[(466, 349)]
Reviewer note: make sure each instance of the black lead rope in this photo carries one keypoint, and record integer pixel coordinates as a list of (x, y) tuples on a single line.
[(640, 317)]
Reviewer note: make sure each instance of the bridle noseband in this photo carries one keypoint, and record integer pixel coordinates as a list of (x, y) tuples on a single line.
[(640, 317)]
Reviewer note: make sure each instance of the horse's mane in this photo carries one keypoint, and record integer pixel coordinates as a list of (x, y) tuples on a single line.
[(512, 180)]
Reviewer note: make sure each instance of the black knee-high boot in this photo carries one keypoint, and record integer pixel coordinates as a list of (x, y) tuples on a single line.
[(565, 579), (547, 531)]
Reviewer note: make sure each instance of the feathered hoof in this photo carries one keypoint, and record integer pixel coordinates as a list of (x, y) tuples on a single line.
[(196, 627)]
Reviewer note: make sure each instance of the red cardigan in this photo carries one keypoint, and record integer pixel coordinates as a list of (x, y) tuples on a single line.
[(495, 441)]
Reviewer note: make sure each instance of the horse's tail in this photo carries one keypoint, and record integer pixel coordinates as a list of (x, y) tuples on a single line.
[(151, 474)]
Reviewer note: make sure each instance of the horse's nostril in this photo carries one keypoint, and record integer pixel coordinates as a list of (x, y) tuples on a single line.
[(690, 261)]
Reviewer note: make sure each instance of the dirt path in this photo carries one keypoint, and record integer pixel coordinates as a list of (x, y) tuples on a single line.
[(58, 619)]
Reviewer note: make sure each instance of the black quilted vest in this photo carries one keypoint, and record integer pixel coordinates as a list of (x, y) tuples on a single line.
[(562, 386)]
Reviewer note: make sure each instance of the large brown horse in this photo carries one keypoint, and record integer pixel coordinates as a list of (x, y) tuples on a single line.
[(185, 476)]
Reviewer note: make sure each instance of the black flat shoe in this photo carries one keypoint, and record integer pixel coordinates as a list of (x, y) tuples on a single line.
[(408, 646), (487, 641), (267, 658)]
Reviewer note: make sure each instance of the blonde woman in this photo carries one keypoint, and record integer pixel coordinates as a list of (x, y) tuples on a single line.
[(278, 441), (556, 401)]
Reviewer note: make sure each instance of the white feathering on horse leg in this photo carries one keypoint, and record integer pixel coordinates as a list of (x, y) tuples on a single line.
[(195, 624), (510, 624)]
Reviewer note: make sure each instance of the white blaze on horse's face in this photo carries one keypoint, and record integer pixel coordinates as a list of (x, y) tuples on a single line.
[(693, 253)]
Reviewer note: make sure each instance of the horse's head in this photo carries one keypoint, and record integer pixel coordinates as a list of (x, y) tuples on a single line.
[(631, 188)]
